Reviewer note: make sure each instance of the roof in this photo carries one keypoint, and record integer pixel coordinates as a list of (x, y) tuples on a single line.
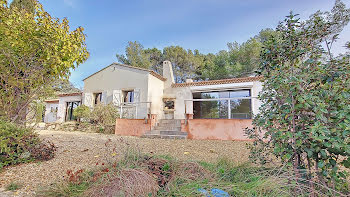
[(52, 101), (132, 67), (70, 94), (217, 82)]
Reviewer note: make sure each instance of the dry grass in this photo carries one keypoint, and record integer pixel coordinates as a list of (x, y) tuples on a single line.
[(79, 150), (127, 182)]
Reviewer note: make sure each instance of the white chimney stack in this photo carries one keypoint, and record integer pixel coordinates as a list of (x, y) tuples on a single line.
[(168, 74)]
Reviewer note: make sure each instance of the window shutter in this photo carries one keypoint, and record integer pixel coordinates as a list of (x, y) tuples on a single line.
[(88, 99), (137, 95), (104, 98), (117, 96)]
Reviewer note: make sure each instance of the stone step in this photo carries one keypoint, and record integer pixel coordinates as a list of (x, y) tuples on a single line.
[(165, 134), (170, 121), (167, 128)]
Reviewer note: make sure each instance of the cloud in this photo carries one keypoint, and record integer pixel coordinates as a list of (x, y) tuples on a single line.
[(69, 3)]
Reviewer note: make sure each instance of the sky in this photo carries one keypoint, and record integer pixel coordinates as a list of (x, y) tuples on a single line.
[(206, 25)]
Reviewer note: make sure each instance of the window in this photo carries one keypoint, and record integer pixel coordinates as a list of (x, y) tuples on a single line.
[(69, 110), (128, 96), (222, 105), (97, 98)]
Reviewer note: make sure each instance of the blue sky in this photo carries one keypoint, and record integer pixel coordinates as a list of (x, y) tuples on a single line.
[(206, 25)]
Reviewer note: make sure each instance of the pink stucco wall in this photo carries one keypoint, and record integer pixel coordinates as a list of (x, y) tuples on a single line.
[(217, 129), (132, 127), (202, 129)]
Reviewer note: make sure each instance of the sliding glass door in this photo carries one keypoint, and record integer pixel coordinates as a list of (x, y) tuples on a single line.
[(69, 110)]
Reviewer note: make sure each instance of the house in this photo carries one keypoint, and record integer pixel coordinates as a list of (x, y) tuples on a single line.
[(153, 105)]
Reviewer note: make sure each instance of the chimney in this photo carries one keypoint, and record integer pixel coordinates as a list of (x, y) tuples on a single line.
[(168, 74)]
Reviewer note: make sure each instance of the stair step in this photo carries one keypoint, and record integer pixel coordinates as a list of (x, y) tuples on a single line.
[(167, 128), (165, 136), (170, 121)]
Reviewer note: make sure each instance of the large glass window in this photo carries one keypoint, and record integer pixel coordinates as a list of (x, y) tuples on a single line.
[(69, 110), (216, 105)]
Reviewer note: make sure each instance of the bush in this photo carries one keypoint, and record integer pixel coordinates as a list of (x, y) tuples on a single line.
[(82, 112), (104, 117), (20, 145)]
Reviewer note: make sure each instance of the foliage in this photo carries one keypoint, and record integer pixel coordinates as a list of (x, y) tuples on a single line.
[(12, 186), (20, 145), (27, 5), (102, 117), (36, 50), (62, 86), (105, 117), (239, 60), (304, 119), (82, 112)]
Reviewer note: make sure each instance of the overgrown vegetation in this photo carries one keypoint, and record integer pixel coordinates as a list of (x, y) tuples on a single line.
[(304, 119), (21, 145), (138, 174), (102, 117)]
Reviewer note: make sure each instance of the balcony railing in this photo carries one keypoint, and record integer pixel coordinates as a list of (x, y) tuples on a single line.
[(135, 110)]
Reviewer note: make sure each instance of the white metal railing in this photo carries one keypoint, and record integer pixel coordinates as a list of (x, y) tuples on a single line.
[(221, 99), (136, 105)]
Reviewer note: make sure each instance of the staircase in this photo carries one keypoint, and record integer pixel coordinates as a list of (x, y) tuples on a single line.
[(167, 129)]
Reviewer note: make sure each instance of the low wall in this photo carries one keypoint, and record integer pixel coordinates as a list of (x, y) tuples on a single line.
[(132, 127), (217, 129)]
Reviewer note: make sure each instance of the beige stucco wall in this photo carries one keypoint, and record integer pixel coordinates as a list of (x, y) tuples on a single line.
[(155, 95), (116, 77)]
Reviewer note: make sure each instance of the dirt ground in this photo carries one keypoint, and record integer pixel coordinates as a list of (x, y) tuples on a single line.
[(79, 150)]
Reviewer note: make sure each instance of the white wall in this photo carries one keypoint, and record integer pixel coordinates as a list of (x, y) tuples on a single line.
[(50, 112), (62, 105)]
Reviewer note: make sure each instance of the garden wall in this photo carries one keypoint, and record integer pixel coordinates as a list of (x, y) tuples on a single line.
[(132, 127), (217, 129)]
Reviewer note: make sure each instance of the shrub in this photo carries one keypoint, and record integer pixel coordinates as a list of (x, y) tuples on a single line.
[(20, 145), (82, 112), (104, 117)]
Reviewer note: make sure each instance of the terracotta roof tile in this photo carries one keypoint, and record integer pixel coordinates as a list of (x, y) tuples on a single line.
[(217, 82), (71, 94)]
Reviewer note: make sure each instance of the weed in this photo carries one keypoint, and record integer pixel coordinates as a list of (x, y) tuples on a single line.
[(13, 186)]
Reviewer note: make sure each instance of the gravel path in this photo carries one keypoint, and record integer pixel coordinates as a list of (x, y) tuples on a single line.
[(79, 150)]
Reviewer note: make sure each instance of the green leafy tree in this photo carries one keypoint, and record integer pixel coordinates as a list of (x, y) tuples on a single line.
[(27, 5), (35, 52), (304, 119), (135, 56)]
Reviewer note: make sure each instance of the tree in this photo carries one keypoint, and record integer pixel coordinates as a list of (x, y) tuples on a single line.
[(135, 56), (239, 60), (304, 118), (34, 53), (27, 5)]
